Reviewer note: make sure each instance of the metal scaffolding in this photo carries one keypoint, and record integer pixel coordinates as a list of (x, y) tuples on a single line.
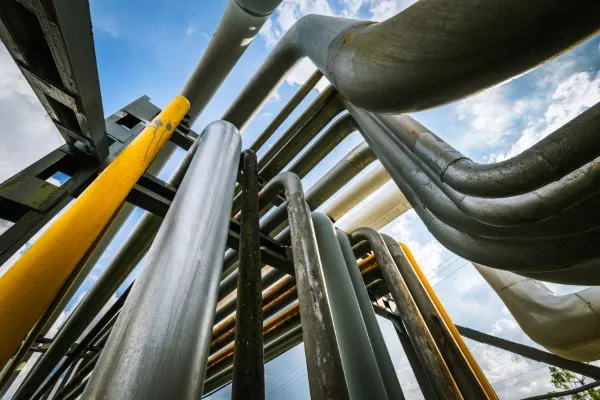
[(238, 265)]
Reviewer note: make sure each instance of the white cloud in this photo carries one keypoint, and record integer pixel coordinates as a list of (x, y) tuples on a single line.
[(190, 30), (489, 116), (569, 98), (107, 24), (428, 254), (27, 132), (385, 9)]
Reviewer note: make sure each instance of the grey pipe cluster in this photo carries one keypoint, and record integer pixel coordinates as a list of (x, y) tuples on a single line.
[(529, 226), (412, 61)]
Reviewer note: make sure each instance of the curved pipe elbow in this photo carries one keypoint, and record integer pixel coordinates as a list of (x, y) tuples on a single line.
[(567, 325)]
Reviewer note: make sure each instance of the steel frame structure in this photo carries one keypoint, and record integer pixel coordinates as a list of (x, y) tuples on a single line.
[(174, 333)]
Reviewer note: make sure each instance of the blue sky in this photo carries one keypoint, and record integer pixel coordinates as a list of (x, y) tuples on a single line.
[(151, 47)]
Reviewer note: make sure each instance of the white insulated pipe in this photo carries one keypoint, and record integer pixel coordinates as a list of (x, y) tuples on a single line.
[(567, 325)]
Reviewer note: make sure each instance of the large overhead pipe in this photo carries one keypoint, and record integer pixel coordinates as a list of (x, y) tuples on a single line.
[(470, 238), (394, 135), (159, 345), (439, 376), (567, 325), (411, 62), (63, 248), (389, 203), (128, 256), (239, 24)]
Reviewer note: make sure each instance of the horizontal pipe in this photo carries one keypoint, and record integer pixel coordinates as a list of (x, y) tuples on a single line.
[(568, 148), (412, 62), (567, 325), (359, 191), (173, 301), (24, 295)]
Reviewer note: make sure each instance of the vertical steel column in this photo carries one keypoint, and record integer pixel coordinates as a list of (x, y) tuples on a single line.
[(441, 380), (324, 365), (248, 367), (382, 356), (362, 373), (455, 360), (159, 345), (128, 256)]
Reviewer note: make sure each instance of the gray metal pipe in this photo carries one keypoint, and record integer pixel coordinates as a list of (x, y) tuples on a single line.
[(287, 110), (326, 376), (359, 360), (358, 192), (498, 254), (159, 346), (542, 203), (382, 356), (128, 256), (411, 61), (306, 127), (438, 374), (565, 150), (455, 360), (240, 23), (347, 168)]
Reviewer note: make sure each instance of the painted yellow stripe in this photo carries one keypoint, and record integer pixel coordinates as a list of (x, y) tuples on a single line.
[(438, 304), (30, 285)]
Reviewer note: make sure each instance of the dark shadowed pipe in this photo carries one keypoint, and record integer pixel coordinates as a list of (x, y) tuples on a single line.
[(412, 61), (438, 374), (323, 360)]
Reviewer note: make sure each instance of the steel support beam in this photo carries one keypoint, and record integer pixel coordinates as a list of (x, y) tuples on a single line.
[(248, 369)]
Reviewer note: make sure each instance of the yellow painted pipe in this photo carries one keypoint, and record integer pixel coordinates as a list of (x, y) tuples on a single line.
[(438, 304), (28, 288)]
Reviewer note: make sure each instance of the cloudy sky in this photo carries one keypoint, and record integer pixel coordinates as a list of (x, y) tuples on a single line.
[(136, 56)]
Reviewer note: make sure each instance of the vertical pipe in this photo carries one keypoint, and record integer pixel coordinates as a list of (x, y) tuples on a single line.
[(159, 345), (326, 376), (362, 373), (441, 380), (29, 287), (413, 359), (384, 361), (457, 364), (128, 256), (248, 367), (455, 334)]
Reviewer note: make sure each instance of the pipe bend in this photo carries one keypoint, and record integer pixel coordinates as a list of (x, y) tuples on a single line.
[(567, 325), (568, 148)]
